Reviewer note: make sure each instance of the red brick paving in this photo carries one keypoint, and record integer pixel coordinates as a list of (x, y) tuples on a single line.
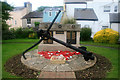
[(57, 75)]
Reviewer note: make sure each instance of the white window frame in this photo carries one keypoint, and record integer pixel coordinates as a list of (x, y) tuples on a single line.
[(107, 8), (29, 21)]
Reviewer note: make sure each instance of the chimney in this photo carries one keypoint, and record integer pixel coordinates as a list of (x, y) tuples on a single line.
[(28, 5)]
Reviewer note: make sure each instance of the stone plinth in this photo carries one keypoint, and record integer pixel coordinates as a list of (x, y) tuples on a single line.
[(35, 61), (54, 47)]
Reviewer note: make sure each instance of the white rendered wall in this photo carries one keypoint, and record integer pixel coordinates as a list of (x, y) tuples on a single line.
[(114, 26)]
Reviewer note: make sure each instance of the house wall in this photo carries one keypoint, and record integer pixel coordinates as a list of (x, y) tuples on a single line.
[(33, 20), (114, 26), (47, 18), (61, 37), (92, 24)]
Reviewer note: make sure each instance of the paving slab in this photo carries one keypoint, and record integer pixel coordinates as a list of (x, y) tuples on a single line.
[(57, 75)]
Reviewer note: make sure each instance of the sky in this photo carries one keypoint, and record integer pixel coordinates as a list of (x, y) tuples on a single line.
[(38, 3)]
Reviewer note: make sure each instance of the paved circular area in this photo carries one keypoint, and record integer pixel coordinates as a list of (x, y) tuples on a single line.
[(35, 61)]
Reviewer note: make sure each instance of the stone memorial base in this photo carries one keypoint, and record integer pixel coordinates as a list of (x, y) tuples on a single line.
[(36, 62), (54, 47)]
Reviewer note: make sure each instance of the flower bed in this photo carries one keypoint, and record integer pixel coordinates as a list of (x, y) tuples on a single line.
[(67, 54)]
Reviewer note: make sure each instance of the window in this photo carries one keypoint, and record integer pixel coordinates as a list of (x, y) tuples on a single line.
[(104, 27), (59, 32), (28, 21), (50, 13), (49, 41), (106, 8), (15, 22), (115, 9), (56, 12)]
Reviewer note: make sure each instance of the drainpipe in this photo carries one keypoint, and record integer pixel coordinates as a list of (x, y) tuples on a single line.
[(110, 25)]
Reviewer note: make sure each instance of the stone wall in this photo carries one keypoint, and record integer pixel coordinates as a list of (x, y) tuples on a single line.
[(60, 27)]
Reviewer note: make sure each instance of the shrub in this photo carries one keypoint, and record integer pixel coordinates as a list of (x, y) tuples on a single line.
[(69, 21), (23, 32), (106, 36), (6, 33), (85, 33), (37, 24), (33, 35)]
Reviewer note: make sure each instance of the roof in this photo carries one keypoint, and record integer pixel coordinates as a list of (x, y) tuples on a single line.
[(85, 14), (18, 8), (114, 17), (33, 15), (53, 9)]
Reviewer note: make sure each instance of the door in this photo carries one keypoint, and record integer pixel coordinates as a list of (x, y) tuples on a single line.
[(71, 37)]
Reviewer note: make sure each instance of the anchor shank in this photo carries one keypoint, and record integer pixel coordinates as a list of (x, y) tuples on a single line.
[(69, 45), (53, 21)]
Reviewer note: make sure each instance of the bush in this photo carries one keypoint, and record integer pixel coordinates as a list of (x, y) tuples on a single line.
[(19, 33), (69, 21), (33, 36), (85, 33), (37, 24), (106, 36), (6, 33), (23, 32)]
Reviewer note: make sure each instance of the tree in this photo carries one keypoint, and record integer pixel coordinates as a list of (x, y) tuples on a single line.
[(41, 8), (6, 8)]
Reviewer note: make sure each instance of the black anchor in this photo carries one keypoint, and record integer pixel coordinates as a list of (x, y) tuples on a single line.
[(45, 35)]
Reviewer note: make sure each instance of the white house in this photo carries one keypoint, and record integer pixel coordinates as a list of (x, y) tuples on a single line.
[(97, 11)]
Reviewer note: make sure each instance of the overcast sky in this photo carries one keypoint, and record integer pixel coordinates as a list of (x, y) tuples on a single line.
[(38, 3)]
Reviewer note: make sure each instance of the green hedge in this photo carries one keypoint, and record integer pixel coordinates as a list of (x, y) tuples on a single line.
[(19, 33), (85, 34)]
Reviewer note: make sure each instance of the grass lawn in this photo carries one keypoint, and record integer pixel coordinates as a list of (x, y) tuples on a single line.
[(99, 44), (20, 40), (11, 49)]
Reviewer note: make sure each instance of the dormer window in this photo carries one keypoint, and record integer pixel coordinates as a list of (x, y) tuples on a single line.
[(50, 13), (106, 8), (115, 9)]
